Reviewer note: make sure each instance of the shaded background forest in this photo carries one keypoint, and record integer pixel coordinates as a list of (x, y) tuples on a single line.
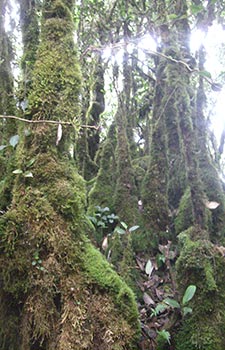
[(140, 138)]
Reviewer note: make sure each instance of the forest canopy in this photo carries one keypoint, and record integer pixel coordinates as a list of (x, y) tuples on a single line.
[(112, 203)]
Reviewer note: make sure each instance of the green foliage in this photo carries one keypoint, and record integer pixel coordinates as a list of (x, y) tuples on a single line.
[(174, 304), (164, 335), (188, 294), (103, 221)]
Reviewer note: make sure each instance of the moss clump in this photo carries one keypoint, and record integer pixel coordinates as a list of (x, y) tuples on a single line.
[(202, 264), (53, 274)]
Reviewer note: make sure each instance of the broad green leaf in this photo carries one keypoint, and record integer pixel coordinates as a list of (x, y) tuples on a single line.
[(105, 209), (124, 225), (14, 140), (160, 308), (28, 174), (120, 230), (133, 228), (2, 147), (100, 224), (18, 171), (165, 335), (171, 302), (92, 219), (31, 162), (187, 310), (189, 293), (149, 267)]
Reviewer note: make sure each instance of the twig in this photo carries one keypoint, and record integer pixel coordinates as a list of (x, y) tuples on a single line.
[(47, 122)]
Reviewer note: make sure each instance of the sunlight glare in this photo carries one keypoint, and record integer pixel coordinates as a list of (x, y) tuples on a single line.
[(218, 117), (147, 43), (107, 52), (197, 39)]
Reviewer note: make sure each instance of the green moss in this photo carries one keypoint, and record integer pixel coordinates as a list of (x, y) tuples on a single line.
[(201, 263), (184, 218), (125, 201), (101, 273), (102, 192), (213, 189), (155, 184)]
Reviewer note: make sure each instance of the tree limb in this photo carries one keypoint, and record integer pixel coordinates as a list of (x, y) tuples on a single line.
[(43, 121)]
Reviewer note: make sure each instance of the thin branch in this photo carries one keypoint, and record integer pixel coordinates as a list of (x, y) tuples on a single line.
[(119, 45), (43, 121)]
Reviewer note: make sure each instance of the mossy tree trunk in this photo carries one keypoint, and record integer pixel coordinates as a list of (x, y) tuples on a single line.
[(125, 201), (209, 175), (155, 184), (30, 38), (7, 103), (200, 262), (57, 291), (7, 107), (102, 192), (181, 176)]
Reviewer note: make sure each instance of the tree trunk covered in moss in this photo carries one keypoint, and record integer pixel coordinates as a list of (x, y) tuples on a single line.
[(181, 176), (208, 172), (7, 107), (155, 184), (93, 105), (7, 103), (125, 201), (57, 291), (200, 262), (102, 192), (30, 36)]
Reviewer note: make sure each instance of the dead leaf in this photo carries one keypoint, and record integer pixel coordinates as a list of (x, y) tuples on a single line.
[(59, 134), (211, 205), (105, 243), (148, 300), (159, 293), (140, 264), (149, 268)]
